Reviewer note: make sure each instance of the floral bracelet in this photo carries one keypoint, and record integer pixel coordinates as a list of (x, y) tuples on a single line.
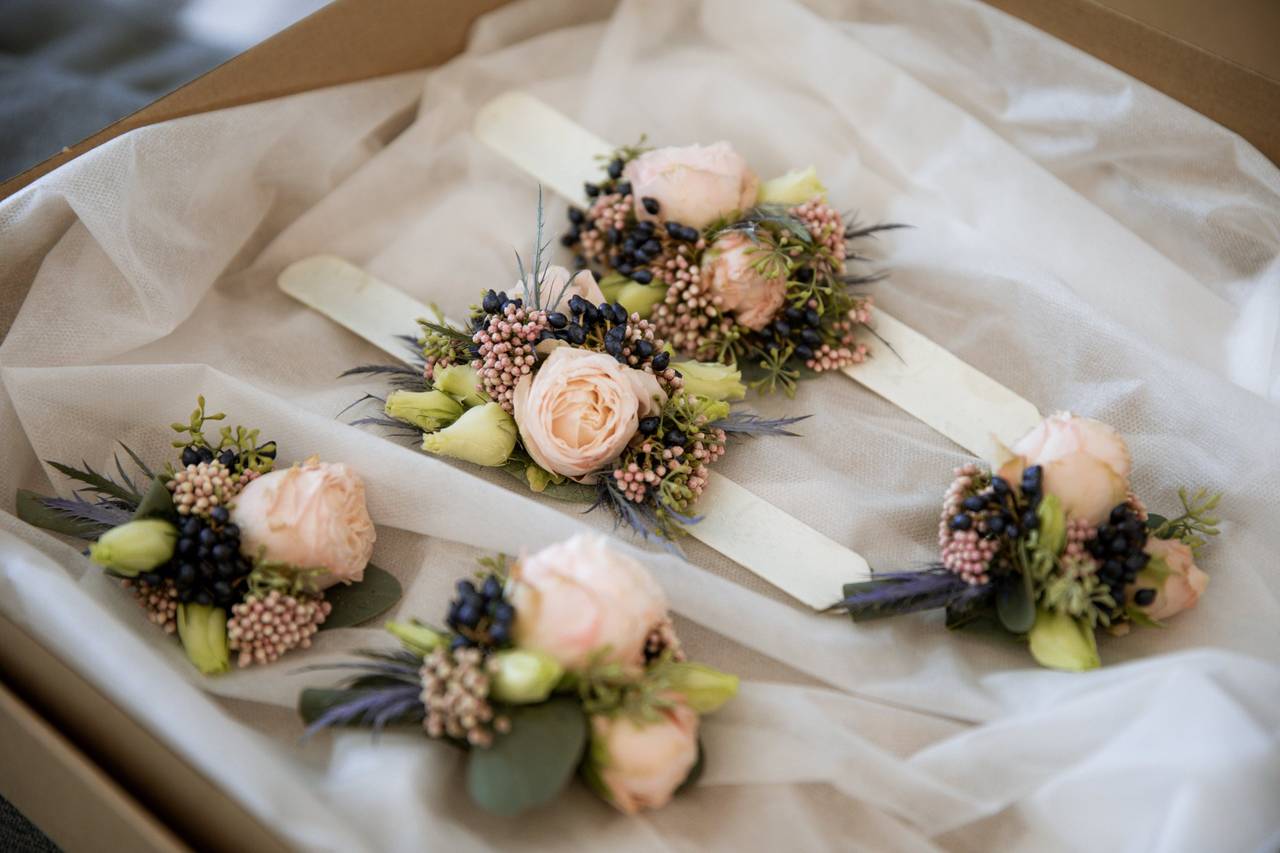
[(224, 549), (565, 662)]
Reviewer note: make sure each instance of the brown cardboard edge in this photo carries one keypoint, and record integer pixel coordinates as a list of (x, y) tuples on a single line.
[(157, 779), (53, 772), (1236, 97), (341, 43)]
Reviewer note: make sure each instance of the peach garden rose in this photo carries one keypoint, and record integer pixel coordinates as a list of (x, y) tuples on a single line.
[(693, 185), (738, 286), (1161, 595), (309, 515), (641, 763), (581, 408)]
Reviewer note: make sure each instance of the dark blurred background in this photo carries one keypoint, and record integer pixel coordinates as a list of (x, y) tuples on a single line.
[(70, 67)]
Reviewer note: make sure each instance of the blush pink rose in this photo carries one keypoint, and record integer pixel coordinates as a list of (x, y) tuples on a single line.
[(560, 284), (694, 185), (738, 286), (577, 412), (1086, 464), (641, 763), (581, 602), (1179, 590), (309, 516)]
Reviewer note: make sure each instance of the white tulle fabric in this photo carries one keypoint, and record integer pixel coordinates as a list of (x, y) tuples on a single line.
[(1083, 239)]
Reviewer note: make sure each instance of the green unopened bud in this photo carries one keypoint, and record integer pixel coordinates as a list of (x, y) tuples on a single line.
[(415, 636), (795, 187), (461, 383), (427, 410), (611, 285), (485, 435), (203, 631), (524, 676), (1061, 641), (711, 380), (1053, 524), (639, 298), (135, 547), (704, 689)]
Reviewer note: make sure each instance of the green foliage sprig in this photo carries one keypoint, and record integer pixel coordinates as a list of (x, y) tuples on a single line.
[(1194, 524)]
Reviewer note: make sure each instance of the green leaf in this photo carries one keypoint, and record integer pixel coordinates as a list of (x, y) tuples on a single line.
[(157, 503), (1015, 604), (314, 701), (568, 490), (32, 510), (1155, 522), (531, 764), (1138, 617), (360, 602), (98, 483)]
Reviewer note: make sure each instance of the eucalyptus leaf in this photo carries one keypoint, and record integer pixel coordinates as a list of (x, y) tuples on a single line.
[(1015, 604), (531, 764), (360, 602), (157, 503), (32, 510)]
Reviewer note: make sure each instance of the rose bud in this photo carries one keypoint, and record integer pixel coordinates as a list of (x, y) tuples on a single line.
[(737, 285), (1086, 464), (639, 764), (415, 637), (579, 411), (711, 380), (694, 185), (1061, 641), (1171, 582), (427, 410), (135, 547), (461, 383), (524, 676), (203, 631), (639, 298), (795, 187), (703, 689), (308, 516), (485, 435), (580, 601)]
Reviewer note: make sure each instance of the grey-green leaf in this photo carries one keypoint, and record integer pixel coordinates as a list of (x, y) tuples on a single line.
[(157, 503), (32, 510), (1015, 605), (531, 764), (360, 602)]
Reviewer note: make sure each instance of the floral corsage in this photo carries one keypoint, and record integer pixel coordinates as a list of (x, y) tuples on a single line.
[(725, 268), (567, 663), (1054, 546), (238, 558), (573, 394)]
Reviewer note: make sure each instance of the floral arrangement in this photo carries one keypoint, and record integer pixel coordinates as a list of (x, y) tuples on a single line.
[(1054, 546), (225, 550), (573, 394), (567, 662), (727, 269)]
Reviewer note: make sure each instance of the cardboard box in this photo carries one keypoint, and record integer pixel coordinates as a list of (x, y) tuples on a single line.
[(97, 780)]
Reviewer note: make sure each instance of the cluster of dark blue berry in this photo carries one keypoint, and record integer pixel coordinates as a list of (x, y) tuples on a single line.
[(1000, 510), (480, 618), (1119, 549), (207, 566), (799, 327), (233, 459)]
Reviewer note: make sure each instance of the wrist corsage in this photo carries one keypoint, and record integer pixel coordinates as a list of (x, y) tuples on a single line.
[(236, 557), (1054, 546), (573, 394), (727, 269), (567, 663)]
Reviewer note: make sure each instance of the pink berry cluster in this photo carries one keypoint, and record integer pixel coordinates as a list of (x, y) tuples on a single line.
[(262, 628), (684, 469), (689, 316), (662, 639), (827, 227), (846, 351), (160, 602), (610, 210), (965, 552), (199, 488), (506, 351), (455, 693)]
